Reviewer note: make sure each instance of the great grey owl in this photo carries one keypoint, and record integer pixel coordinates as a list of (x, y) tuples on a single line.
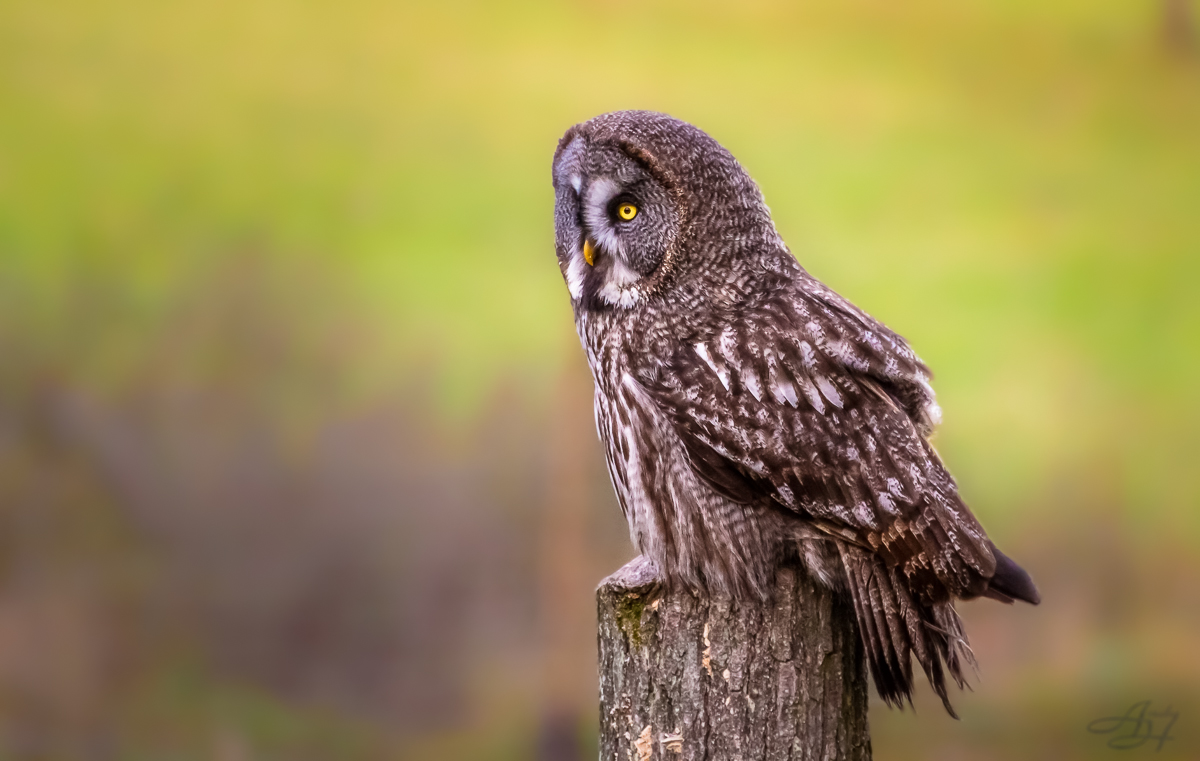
[(751, 416)]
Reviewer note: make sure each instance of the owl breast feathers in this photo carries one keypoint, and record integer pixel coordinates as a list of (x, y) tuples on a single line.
[(752, 417)]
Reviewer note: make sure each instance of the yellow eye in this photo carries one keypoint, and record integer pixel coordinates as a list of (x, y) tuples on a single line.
[(626, 211)]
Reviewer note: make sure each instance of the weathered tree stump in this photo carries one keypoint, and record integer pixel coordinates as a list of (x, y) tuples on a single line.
[(683, 677)]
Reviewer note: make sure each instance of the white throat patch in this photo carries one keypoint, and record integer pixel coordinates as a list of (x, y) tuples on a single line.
[(621, 285)]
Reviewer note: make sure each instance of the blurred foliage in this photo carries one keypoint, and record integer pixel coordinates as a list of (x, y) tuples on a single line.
[(310, 212), (1013, 186)]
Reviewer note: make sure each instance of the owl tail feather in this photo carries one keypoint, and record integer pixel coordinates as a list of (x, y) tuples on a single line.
[(1010, 582), (893, 627)]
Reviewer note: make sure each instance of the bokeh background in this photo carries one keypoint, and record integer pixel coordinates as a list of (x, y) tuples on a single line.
[(296, 452)]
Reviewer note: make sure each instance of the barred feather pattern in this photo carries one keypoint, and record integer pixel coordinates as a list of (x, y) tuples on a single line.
[(752, 417)]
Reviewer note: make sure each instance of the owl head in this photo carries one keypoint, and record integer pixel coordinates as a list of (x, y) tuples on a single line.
[(644, 204)]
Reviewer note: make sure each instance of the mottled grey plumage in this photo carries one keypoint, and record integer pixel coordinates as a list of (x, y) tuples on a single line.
[(750, 415)]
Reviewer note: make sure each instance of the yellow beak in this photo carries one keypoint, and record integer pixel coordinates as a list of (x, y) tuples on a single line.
[(589, 253)]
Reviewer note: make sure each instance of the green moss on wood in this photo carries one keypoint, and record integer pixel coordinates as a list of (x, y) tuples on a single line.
[(629, 610)]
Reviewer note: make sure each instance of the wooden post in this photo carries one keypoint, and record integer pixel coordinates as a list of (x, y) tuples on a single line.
[(684, 678)]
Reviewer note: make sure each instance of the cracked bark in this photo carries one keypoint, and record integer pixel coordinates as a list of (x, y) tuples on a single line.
[(683, 677)]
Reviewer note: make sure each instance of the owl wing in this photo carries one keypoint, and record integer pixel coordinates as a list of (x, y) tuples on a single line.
[(804, 398)]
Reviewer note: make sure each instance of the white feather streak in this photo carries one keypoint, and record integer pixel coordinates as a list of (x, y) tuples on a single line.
[(829, 391), (721, 372)]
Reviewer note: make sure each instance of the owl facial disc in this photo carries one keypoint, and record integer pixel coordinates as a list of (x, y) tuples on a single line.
[(614, 223)]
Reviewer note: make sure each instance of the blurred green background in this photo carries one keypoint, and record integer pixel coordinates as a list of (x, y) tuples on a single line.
[(296, 452)]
